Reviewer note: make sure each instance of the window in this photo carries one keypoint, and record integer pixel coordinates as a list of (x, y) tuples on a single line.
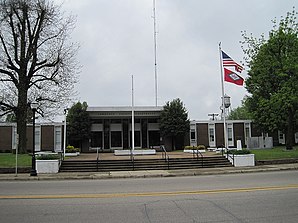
[(96, 139), (211, 135), (193, 135), (154, 138), (137, 137), (37, 138), (247, 132), (116, 139), (230, 134), (58, 138)]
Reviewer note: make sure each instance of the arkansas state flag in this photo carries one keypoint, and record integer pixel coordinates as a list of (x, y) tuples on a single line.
[(232, 77)]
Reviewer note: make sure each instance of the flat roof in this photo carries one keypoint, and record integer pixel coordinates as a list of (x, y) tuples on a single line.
[(124, 111), (124, 108)]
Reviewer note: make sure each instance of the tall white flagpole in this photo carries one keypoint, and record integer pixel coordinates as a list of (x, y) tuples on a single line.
[(132, 117), (155, 51), (223, 97)]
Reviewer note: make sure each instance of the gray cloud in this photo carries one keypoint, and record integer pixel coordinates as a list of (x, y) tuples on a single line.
[(116, 39)]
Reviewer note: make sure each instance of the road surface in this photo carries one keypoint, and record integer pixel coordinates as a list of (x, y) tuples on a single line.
[(256, 197)]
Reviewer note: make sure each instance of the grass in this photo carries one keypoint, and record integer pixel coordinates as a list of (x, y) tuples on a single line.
[(9, 160), (24, 160), (275, 153)]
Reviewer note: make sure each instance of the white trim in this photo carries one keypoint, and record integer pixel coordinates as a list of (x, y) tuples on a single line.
[(115, 127), (193, 128), (247, 125), (96, 127), (57, 147), (281, 137), (153, 127), (137, 127)]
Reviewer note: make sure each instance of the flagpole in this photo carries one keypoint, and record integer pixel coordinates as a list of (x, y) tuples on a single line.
[(155, 51), (223, 97), (132, 117)]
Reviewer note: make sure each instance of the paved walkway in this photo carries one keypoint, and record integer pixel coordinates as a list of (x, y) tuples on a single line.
[(111, 156), (149, 173)]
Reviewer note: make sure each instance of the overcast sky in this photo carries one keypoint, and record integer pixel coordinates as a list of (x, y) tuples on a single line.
[(116, 38)]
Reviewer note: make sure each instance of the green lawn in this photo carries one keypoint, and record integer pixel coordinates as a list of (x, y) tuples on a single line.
[(24, 160), (275, 153), (9, 160)]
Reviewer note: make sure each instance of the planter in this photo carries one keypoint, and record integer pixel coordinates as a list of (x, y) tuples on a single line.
[(194, 151), (72, 154), (127, 152), (243, 160), (47, 166)]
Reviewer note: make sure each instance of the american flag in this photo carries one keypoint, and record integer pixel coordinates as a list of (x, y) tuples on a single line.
[(229, 62)]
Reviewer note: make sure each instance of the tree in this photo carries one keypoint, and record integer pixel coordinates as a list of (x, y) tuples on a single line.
[(273, 77), (241, 112), (174, 120), (78, 127), (37, 60)]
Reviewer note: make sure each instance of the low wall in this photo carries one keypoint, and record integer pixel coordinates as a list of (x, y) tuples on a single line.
[(242, 160), (127, 152), (47, 166)]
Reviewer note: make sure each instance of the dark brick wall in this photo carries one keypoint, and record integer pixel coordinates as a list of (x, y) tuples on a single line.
[(5, 138), (47, 138), (202, 134), (239, 133), (219, 134)]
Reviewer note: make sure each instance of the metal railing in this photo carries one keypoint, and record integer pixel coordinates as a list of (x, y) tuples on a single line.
[(132, 158), (97, 156), (196, 153), (229, 155), (165, 156)]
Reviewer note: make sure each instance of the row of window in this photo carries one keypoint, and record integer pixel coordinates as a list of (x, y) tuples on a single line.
[(212, 132), (38, 132)]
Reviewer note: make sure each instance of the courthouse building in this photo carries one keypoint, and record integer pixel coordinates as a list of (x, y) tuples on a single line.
[(111, 128)]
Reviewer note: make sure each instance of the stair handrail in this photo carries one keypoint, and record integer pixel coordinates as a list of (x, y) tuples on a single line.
[(97, 158), (165, 156), (197, 155), (232, 156), (132, 158)]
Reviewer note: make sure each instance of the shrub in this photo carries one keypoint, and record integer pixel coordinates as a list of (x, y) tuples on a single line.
[(200, 147), (48, 156), (71, 149)]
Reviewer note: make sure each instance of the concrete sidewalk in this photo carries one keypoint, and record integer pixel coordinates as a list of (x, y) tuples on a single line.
[(148, 173)]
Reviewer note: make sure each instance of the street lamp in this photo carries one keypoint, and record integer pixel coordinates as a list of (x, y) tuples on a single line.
[(64, 138), (33, 172)]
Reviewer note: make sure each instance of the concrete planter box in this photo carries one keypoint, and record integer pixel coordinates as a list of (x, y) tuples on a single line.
[(72, 154), (47, 166), (243, 160), (194, 151), (127, 152)]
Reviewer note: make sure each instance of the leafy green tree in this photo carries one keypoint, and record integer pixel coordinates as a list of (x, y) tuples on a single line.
[(241, 112), (174, 120), (37, 60), (78, 124), (273, 77)]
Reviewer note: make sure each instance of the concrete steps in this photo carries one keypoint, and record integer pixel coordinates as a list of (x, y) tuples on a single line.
[(143, 164)]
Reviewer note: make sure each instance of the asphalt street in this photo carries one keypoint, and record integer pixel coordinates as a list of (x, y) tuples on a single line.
[(250, 197)]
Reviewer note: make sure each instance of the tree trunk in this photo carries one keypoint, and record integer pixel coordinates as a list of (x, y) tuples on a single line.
[(21, 117), (290, 131)]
